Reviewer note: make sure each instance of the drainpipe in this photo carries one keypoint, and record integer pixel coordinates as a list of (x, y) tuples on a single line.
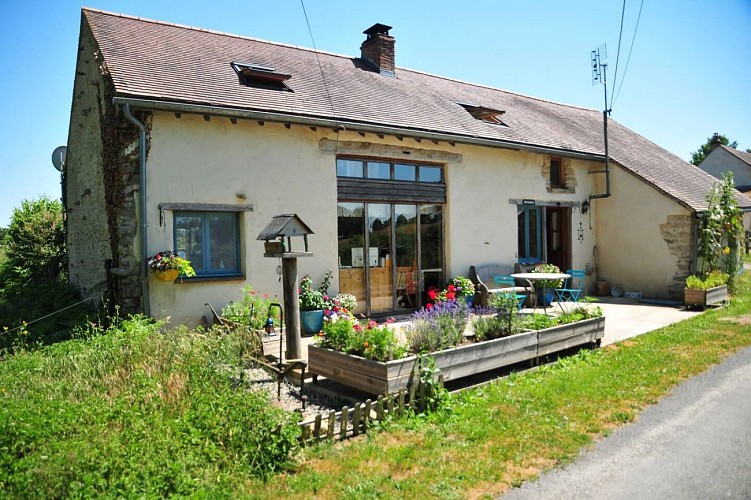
[(607, 159), (142, 174)]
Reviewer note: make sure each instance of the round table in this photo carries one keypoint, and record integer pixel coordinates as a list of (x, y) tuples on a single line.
[(532, 277)]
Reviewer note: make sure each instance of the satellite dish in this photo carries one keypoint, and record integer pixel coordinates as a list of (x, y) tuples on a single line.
[(58, 157)]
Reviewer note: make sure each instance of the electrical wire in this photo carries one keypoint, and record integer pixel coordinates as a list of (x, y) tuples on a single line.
[(315, 49), (52, 314), (618, 53), (628, 59)]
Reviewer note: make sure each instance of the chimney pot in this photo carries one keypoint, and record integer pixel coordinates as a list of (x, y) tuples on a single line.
[(378, 49)]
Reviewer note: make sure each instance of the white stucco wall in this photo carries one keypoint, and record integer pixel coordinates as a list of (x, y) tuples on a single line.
[(286, 170), (482, 223), (720, 161), (632, 251)]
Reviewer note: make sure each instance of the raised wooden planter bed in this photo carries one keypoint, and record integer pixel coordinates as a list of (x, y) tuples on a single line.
[(704, 298), (378, 377), (562, 337)]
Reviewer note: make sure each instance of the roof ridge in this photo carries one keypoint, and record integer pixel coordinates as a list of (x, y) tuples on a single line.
[(744, 156), (212, 32)]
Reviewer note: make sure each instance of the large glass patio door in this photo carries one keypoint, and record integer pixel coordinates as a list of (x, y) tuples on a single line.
[(404, 254)]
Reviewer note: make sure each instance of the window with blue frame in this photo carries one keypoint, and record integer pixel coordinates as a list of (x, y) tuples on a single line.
[(530, 233), (210, 241)]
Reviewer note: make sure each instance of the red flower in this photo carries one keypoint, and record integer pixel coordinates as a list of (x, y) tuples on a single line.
[(452, 288), (372, 324), (357, 327), (432, 294), (429, 305), (450, 296)]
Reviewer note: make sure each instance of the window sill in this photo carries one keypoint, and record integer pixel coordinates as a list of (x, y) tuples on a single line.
[(209, 279)]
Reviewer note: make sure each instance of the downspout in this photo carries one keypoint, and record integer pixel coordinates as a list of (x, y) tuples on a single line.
[(142, 175), (607, 159)]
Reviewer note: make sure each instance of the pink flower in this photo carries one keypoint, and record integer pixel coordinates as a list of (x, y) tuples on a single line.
[(357, 327), (390, 320), (372, 324)]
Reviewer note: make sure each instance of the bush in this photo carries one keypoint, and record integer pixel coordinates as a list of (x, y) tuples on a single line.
[(713, 279), (367, 339)]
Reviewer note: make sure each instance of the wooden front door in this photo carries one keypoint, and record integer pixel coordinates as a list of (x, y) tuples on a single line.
[(558, 236)]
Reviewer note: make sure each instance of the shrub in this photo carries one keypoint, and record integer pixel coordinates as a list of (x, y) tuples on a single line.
[(500, 320), (312, 300), (438, 327), (251, 310)]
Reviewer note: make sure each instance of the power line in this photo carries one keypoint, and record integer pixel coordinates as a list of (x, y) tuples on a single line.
[(618, 53), (52, 314), (315, 49), (628, 59)]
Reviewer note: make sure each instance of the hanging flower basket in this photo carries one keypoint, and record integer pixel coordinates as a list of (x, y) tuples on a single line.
[(168, 275), (167, 266)]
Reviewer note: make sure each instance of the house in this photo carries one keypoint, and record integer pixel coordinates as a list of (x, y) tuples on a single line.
[(191, 140), (722, 159)]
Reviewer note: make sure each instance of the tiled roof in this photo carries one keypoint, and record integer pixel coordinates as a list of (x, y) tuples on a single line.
[(741, 155), (166, 62)]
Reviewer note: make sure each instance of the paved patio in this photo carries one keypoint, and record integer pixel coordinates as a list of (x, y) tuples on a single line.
[(625, 318)]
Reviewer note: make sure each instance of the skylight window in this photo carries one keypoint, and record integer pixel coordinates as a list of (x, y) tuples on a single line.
[(487, 115), (255, 75)]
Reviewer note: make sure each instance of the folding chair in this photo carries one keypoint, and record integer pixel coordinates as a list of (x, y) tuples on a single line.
[(506, 284), (572, 287)]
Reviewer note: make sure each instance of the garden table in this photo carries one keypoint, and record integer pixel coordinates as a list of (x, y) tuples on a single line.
[(532, 277)]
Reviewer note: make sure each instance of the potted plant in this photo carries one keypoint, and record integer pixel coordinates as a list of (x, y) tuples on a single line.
[(546, 287), (312, 302), (705, 292), (463, 288), (167, 266)]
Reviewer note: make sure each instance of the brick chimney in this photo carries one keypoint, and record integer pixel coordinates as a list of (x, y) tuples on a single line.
[(715, 142), (378, 49)]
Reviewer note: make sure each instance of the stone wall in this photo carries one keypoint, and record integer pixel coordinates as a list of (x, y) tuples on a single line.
[(676, 232), (101, 187)]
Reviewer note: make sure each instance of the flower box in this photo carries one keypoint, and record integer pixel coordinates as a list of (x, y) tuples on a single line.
[(378, 377), (562, 337), (704, 298)]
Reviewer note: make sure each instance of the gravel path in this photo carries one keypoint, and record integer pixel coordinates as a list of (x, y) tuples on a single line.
[(262, 379)]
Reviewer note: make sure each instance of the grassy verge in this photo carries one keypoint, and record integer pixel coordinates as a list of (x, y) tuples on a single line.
[(495, 437)]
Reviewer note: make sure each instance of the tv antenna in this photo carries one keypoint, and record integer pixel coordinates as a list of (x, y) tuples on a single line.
[(599, 75)]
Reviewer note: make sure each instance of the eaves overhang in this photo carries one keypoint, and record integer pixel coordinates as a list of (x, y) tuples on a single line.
[(338, 124)]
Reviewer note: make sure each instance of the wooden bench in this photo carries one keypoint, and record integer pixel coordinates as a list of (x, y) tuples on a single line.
[(480, 275)]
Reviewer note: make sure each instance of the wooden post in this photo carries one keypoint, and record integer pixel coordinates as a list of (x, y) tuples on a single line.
[(291, 307)]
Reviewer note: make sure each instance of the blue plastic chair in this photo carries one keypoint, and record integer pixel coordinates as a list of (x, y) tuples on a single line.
[(572, 287), (504, 281)]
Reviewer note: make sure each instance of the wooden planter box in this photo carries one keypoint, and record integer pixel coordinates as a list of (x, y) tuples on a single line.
[(704, 298), (378, 377), (373, 377), (560, 338)]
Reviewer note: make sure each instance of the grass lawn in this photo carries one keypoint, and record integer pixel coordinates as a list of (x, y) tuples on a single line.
[(502, 434), (136, 412)]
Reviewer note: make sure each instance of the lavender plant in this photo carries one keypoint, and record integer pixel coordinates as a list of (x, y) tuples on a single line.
[(438, 327)]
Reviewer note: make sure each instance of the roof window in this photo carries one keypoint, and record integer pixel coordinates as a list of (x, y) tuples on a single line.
[(255, 75), (488, 115)]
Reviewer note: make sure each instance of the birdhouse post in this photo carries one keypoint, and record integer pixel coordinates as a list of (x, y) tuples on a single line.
[(277, 237)]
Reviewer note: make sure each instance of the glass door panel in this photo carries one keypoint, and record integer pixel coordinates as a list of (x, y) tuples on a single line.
[(351, 230), (380, 273), (431, 249), (406, 256)]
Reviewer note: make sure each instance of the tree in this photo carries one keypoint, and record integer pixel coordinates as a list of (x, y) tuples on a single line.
[(35, 245), (699, 155)]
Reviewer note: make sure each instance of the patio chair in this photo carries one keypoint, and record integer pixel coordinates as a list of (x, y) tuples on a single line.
[(506, 284), (572, 287)]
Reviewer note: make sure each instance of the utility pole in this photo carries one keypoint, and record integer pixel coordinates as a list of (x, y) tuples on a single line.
[(599, 75)]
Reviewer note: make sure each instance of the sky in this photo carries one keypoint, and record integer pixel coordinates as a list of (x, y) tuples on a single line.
[(688, 76)]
